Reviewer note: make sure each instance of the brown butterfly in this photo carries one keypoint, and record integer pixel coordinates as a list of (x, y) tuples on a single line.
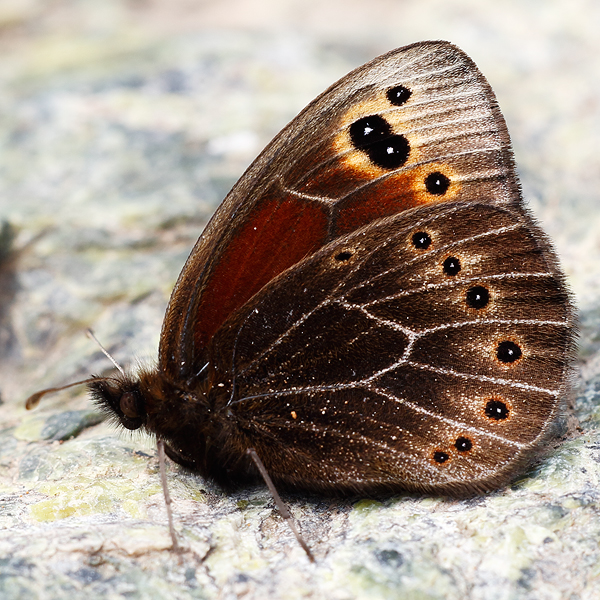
[(371, 308)]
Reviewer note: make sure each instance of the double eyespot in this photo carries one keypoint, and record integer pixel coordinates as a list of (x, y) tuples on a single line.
[(496, 410), (373, 135), (462, 445), (422, 240)]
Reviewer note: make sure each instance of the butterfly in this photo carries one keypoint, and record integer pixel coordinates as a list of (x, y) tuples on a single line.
[(371, 308)]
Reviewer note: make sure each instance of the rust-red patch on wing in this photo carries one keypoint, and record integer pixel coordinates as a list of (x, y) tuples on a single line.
[(280, 231)]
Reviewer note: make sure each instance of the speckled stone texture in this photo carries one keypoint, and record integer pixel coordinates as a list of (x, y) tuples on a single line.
[(122, 126)]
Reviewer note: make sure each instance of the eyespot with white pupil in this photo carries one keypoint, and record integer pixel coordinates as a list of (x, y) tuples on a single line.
[(398, 95), (496, 410), (451, 266), (508, 352), (437, 183), (463, 444), (440, 457), (421, 240), (477, 297)]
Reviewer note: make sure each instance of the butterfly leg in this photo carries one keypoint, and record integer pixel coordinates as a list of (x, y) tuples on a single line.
[(163, 479), (281, 507)]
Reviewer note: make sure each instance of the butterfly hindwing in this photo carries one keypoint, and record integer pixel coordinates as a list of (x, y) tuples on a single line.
[(374, 364)]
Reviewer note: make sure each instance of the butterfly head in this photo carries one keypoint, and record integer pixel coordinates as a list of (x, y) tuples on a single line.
[(120, 397)]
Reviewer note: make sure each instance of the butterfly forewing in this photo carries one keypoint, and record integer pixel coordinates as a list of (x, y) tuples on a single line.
[(373, 364), (416, 126)]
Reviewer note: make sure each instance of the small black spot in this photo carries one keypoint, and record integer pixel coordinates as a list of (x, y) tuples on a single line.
[(437, 183), (343, 256), (421, 240), (398, 95), (373, 136), (508, 352), (497, 410), (451, 266), (440, 457), (478, 297), (463, 444)]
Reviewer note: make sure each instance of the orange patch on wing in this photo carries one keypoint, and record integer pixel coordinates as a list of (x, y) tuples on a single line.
[(336, 180), (391, 194), (399, 119), (365, 191)]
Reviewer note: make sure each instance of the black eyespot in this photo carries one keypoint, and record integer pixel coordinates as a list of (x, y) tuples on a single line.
[(421, 240), (440, 457), (398, 95), (451, 266), (391, 153), (508, 352), (368, 131), (373, 136), (463, 444), (497, 410), (437, 183), (343, 256), (478, 297)]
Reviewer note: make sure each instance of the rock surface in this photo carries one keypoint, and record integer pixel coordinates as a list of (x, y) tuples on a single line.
[(122, 127)]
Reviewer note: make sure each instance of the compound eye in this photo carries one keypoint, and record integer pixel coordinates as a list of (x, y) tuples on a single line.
[(128, 405)]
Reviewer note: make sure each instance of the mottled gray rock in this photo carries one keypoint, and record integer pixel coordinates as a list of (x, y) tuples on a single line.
[(116, 144)]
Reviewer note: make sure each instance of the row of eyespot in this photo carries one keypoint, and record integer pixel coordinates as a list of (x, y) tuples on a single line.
[(507, 351)]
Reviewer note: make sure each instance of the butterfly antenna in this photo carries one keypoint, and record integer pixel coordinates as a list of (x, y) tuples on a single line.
[(163, 479), (281, 507), (34, 399), (92, 336)]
